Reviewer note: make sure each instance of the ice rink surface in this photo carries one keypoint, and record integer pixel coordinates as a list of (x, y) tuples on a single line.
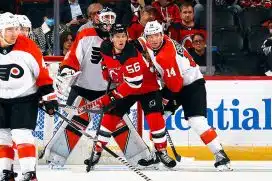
[(190, 171)]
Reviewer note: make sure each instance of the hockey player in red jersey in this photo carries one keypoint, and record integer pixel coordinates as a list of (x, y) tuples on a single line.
[(184, 83), (126, 67), (24, 81)]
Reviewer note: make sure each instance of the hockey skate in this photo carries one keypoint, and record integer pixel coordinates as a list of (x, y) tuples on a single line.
[(29, 176), (222, 161), (90, 164), (166, 159), (150, 162), (8, 175)]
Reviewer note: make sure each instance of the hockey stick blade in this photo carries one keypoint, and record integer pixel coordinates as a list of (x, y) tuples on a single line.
[(122, 160)]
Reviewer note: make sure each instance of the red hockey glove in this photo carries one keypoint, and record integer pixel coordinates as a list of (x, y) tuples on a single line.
[(110, 99)]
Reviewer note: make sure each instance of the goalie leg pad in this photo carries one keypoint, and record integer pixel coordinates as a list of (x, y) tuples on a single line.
[(130, 142), (66, 137)]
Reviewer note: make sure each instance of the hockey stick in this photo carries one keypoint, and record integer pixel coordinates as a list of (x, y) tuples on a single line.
[(80, 110), (122, 160), (177, 156), (89, 164)]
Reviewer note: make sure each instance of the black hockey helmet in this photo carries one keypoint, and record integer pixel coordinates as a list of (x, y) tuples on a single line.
[(118, 28)]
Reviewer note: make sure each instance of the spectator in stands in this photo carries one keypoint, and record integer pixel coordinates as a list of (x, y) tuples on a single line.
[(136, 8), (182, 31), (66, 40), (122, 9), (135, 30), (35, 10), (267, 45), (232, 5), (256, 3), (43, 35), (168, 12), (73, 15), (92, 16), (198, 52), (268, 24)]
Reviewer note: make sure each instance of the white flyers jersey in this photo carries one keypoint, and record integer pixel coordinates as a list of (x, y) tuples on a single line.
[(174, 64), (85, 56), (22, 70)]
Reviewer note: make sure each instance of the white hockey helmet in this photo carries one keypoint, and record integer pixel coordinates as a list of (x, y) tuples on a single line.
[(24, 21), (106, 16), (8, 20), (153, 27)]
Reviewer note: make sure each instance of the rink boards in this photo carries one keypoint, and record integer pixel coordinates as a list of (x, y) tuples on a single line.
[(239, 108)]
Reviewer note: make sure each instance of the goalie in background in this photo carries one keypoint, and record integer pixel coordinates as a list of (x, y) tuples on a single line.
[(83, 56), (135, 81), (24, 81)]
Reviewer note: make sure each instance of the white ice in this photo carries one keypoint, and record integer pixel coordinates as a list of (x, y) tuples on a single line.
[(192, 171)]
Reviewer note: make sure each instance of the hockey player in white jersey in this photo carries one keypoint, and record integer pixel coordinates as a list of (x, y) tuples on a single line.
[(24, 82), (84, 56), (183, 85), (25, 24)]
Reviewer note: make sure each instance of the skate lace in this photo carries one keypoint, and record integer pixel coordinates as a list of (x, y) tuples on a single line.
[(219, 156), (6, 175), (166, 157)]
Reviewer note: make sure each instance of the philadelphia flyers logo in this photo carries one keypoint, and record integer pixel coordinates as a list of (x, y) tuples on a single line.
[(11, 70), (96, 56)]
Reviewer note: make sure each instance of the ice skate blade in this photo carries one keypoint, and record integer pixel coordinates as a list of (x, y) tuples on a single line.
[(224, 168), (150, 167)]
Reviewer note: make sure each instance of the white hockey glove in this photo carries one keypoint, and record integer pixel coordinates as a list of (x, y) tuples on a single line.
[(64, 82), (266, 47)]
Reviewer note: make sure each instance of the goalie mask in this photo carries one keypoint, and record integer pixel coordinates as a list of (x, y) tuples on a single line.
[(106, 19)]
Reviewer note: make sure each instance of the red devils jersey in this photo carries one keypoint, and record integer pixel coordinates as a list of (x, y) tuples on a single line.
[(175, 65), (183, 34), (22, 70), (129, 70)]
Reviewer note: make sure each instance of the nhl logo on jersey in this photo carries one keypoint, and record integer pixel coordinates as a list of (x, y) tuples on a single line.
[(11, 70)]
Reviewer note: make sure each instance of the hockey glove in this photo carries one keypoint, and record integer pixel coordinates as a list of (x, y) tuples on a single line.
[(64, 82), (109, 100), (266, 47), (50, 103), (169, 107)]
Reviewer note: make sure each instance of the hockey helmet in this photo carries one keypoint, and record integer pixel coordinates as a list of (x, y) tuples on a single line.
[(118, 28), (153, 27), (24, 21), (106, 17), (8, 20)]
